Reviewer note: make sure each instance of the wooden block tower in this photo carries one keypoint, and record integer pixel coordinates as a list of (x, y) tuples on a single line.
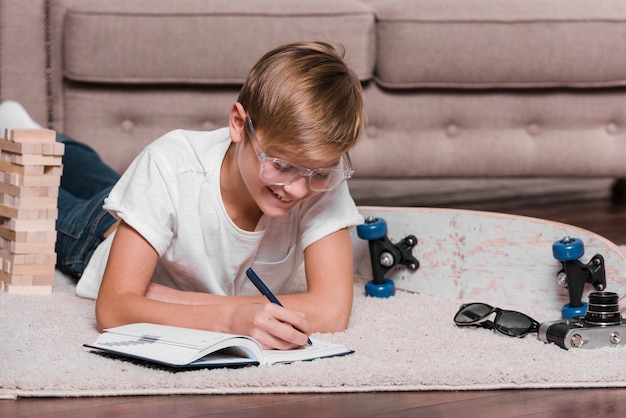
[(30, 174)]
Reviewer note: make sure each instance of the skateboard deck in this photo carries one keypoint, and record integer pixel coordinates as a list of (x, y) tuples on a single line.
[(486, 257)]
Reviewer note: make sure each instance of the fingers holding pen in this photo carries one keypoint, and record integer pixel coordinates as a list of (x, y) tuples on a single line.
[(278, 328), (293, 321)]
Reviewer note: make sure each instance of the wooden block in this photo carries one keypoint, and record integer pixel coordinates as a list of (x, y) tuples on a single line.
[(12, 189), (16, 279), (27, 213), (30, 175), (9, 168), (53, 149), (6, 255), (33, 159), (27, 247), (31, 247), (26, 290), (25, 170), (27, 269), (28, 236), (29, 258), (44, 279), (28, 202), (19, 180), (28, 224), (19, 148), (35, 191), (58, 148), (43, 258), (29, 136), (41, 278), (53, 170)]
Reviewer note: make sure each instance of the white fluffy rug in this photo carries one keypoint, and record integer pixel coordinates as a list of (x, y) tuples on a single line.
[(405, 343)]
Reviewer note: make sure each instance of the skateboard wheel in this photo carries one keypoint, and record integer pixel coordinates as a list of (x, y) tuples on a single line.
[(380, 290), (372, 229), (568, 249), (569, 312)]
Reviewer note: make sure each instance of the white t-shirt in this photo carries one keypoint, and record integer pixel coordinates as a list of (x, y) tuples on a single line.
[(171, 195)]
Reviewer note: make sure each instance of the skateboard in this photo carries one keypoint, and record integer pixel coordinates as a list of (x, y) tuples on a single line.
[(484, 256)]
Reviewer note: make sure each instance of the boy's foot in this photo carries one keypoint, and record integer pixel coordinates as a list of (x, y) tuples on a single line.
[(14, 116)]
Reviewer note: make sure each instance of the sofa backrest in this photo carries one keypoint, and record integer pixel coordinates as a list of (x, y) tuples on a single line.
[(123, 72)]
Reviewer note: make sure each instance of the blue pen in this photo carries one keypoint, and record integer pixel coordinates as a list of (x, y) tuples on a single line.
[(265, 291)]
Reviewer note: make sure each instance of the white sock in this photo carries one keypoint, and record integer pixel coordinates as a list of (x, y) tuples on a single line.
[(14, 116)]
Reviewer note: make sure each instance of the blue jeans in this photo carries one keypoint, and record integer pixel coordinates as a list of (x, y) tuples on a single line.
[(82, 222)]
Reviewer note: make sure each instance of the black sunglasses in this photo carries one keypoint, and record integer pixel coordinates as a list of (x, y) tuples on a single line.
[(511, 323)]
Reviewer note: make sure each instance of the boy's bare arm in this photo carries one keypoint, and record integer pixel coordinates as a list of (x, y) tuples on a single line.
[(122, 300), (326, 304)]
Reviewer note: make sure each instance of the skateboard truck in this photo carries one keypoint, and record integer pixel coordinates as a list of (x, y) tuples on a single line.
[(385, 255), (575, 274)]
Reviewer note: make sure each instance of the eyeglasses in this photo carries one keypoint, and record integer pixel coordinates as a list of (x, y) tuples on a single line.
[(280, 172), (511, 323)]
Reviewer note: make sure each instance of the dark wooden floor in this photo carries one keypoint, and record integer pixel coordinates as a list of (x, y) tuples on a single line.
[(570, 403), (597, 214)]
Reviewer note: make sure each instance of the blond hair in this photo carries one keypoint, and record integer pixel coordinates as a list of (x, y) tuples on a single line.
[(304, 97)]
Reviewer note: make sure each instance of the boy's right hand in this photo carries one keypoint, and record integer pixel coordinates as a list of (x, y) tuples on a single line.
[(273, 326)]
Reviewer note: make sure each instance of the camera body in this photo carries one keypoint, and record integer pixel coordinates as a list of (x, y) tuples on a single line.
[(602, 326), (576, 333)]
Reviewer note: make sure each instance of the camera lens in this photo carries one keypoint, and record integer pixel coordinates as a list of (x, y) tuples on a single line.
[(603, 309)]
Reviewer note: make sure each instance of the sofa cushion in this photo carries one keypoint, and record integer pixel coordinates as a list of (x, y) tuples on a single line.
[(118, 121), (500, 43), (207, 42), (492, 133)]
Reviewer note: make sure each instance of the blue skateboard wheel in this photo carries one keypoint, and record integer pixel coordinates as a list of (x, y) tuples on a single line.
[(372, 230), (382, 290), (568, 312), (568, 250)]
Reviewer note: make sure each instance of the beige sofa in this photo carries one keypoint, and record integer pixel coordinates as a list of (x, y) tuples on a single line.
[(454, 88)]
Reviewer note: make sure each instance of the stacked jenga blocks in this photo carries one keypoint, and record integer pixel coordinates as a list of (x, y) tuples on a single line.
[(30, 174)]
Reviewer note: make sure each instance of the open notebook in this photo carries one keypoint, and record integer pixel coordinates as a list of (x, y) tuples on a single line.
[(191, 348)]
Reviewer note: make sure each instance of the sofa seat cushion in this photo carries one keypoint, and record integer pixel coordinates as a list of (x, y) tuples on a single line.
[(205, 42), (500, 43)]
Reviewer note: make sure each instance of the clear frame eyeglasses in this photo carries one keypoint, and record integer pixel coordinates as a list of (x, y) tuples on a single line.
[(280, 172)]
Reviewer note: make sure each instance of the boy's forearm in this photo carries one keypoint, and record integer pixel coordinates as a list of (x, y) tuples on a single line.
[(273, 326), (167, 294), (125, 309), (325, 314)]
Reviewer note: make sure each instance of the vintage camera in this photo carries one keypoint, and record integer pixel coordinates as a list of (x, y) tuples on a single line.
[(602, 325)]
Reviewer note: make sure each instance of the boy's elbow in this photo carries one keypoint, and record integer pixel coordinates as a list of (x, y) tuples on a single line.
[(106, 316), (334, 320), (102, 319), (338, 326)]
